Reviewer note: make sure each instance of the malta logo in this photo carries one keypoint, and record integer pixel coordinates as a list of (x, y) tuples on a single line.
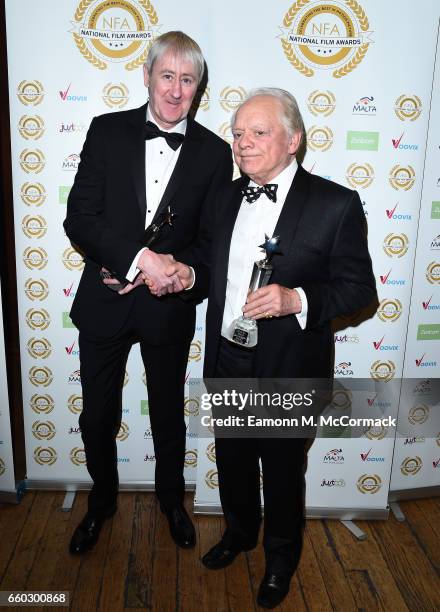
[(45, 456), (117, 31), (210, 451), (75, 404), (360, 175), (369, 483), (39, 348), (411, 466), (32, 160), (402, 177), (33, 194), (34, 226), (382, 370), (115, 95), (31, 128), (395, 245), (319, 138), (389, 310), (408, 108), (30, 93), (42, 403), (232, 97), (329, 35), (321, 103), (433, 273), (36, 289)]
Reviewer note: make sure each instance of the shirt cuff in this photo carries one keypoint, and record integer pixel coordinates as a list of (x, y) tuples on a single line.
[(302, 316), (194, 278), (134, 270)]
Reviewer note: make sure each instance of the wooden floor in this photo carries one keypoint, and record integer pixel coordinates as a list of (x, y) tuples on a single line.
[(136, 566)]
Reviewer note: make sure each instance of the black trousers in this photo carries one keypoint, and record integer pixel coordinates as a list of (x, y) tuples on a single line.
[(103, 364), (283, 465)]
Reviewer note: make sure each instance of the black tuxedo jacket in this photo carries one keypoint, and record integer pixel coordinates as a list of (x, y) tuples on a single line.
[(106, 220), (322, 232)]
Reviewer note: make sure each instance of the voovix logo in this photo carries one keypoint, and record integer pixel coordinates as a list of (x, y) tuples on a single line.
[(69, 293), (397, 144), (71, 351), (420, 363), (393, 215), (379, 346), (66, 97), (386, 280), (428, 306)]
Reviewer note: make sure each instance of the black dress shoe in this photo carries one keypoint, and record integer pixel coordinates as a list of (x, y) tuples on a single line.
[(181, 527), (273, 589), (221, 555), (86, 534)]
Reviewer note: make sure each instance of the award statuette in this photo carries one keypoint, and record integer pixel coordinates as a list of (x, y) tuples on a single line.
[(245, 331), (151, 234)]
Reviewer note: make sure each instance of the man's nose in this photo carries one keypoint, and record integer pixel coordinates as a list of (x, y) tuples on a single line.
[(176, 89), (245, 141)]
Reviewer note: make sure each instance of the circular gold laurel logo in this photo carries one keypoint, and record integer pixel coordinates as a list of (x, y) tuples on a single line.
[(411, 466), (328, 35), (433, 273), (123, 433), (42, 403), (36, 289), (40, 376), (395, 245), (39, 348), (78, 456), (191, 406), (2, 467), (72, 259), (33, 194), (191, 458), (30, 93), (319, 138), (43, 430), (369, 483), (402, 177), (32, 160), (211, 479), (45, 456), (75, 404), (210, 451), (418, 414), (341, 398), (321, 103), (115, 30), (115, 95), (232, 97), (195, 351), (34, 226), (376, 432), (389, 310), (225, 132), (35, 258), (408, 108), (360, 175), (31, 128), (382, 370), (38, 318), (205, 99)]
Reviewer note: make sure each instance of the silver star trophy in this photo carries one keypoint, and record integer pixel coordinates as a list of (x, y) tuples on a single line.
[(244, 331)]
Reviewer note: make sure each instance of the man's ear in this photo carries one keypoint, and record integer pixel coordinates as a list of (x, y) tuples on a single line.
[(146, 76), (295, 141)]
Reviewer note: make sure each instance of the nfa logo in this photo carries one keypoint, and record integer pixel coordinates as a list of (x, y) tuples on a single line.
[(369, 483), (418, 414), (435, 244), (115, 95), (340, 482), (75, 404), (38, 318), (360, 175), (334, 457), (72, 259), (70, 163), (225, 132), (433, 273), (74, 378), (376, 432), (408, 108), (386, 280), (31, 127), (45, 456), (402, 177), (364, 106), (211, 479), (210, 452), (191, 406), (389, 309), (191, 458), (411, 466), (33, 194), (78, 456), (32, 160), (344, 369), (341, 398), (71, 351), (195, 351), (43, 430), (204, 99), (398, 144), (40, 376), (30, 93), (319, 138), (42, 404), (123, 433), (421, 363), (368, 457), (379, 346), (321, 103), (232, 97), (120, 31), (2, 467), (34, 226), (391, 214), (36, 289), (66, 97), (328, 35), (395, 245), (382, 370), (39, 348)]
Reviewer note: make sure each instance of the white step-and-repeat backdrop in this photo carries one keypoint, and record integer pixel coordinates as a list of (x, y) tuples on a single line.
[(7, 479), (364, 88)]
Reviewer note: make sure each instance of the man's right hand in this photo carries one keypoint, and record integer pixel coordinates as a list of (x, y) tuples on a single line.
[(154, 267)]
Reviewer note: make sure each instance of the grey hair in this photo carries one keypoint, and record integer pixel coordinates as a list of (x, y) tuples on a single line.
[(181, 45)]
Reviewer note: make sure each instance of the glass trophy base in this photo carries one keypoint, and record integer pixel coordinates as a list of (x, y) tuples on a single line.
[(244, 332)]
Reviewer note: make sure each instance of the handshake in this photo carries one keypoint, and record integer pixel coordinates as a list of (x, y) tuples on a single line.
[(162, 274)]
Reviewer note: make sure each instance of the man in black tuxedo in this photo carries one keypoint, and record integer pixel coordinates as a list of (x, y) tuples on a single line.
[(140, 167), (323, 271)]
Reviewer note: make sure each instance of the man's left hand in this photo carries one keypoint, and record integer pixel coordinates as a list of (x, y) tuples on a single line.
[(272, 301)]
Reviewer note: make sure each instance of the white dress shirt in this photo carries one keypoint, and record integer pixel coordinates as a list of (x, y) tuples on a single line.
[(252, 223)]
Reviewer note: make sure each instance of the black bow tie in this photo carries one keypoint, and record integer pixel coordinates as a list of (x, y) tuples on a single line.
[(174, 139), (253, 193)]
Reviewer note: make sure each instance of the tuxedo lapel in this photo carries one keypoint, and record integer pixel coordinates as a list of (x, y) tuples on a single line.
[(137, 161)]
